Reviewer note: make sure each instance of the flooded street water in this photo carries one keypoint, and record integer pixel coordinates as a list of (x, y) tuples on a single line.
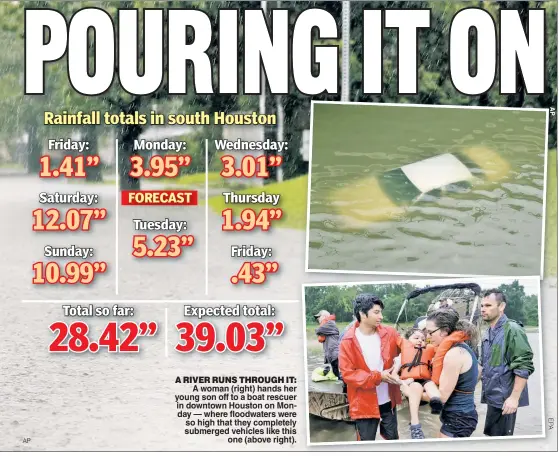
[(354, 225), (528, 421)]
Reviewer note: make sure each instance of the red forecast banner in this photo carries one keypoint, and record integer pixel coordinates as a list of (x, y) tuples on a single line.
[(159, 198)]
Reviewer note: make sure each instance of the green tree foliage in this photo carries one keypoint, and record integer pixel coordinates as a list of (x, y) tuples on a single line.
[(339, 301), (531, 311), (22, 114), (435, 86), (520, 307)]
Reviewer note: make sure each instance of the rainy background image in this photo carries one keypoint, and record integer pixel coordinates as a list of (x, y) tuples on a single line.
[(121, 401)]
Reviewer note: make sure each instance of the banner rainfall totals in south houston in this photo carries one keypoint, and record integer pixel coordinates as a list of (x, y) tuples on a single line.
[(287, 58), (137, 118)]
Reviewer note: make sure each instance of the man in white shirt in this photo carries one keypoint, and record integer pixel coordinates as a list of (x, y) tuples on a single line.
[(367, 351)]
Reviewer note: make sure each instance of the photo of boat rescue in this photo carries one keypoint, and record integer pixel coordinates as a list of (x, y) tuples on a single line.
[(423, 360)]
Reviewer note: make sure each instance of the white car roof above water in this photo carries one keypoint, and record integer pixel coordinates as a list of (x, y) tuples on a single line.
[(436, 172)]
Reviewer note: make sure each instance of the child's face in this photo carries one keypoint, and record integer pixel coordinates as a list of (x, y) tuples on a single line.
[(417, 339)]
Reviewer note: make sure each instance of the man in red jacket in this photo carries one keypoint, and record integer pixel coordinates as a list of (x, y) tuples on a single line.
[(367, 351)]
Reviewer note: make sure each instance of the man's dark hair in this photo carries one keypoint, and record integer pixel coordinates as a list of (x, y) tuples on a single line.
[(365, 302), (499, 295)]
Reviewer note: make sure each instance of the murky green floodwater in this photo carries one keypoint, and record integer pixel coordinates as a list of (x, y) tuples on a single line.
[(528, 420), (492, 227)]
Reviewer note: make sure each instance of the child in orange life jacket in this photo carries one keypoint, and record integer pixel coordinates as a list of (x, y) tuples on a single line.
[(413, 367)]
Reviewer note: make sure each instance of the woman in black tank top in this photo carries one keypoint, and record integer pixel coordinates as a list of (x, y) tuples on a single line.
[(459, 415)]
